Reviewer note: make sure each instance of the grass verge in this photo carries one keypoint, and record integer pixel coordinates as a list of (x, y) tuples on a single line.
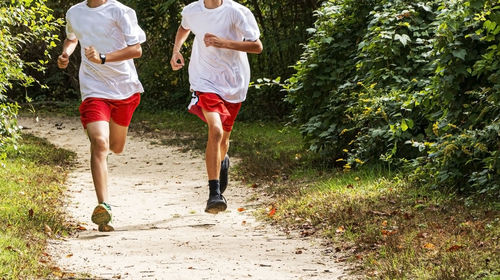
[(391, 229), (31, 185)]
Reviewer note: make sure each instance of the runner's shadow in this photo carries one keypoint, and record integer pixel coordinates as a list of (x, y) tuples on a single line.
[(155, 225), (92, 237), (147, 226)]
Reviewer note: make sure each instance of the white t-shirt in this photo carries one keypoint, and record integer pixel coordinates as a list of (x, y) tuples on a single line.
[(221, 71), (109, 27)]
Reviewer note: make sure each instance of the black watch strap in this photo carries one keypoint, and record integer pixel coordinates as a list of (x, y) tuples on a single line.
[(103, 58)]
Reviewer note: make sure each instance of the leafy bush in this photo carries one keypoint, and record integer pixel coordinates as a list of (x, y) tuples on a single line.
[(23, 24), (410, 83), (283, 26)]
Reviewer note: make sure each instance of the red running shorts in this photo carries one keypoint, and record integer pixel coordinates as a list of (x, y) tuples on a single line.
[(212, 102), (101, 109)]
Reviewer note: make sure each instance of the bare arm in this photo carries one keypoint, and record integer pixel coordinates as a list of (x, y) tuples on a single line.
[(177, 61), (243, 46), (129, 52), (69, 47)]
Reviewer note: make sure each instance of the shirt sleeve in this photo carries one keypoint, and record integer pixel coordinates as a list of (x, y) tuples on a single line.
[(70, 34), (247, 25), (131, 29), (184, 21)]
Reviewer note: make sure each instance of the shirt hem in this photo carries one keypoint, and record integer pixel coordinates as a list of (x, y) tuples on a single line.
[(93, 95), (240, 100)]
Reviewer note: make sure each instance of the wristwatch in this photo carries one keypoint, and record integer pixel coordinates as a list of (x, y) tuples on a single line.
[(103, 58)]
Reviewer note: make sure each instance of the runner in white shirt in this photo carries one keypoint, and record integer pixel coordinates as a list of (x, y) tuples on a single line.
[(219, 74), (110, 39)]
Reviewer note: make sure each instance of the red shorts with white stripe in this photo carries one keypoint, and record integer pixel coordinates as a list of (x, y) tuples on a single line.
[(95, 109), (212, 102)]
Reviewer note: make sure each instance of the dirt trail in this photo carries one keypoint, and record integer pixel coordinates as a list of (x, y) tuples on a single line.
[(158, 196)]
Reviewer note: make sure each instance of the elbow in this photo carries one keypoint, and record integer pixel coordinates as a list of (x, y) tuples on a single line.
[(71, 41), (258, 47), (138, 52)]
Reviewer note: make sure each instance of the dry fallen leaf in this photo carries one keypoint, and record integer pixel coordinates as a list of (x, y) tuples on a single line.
[(378, 213), (69, 255), (241, 209), (12, 249), (47, 230), (272, 212), (455, 248), (56, 271), (407, 216), (429, 246), (388, 232), (340, 229), (384, 223), (81, 228), (422, 235)]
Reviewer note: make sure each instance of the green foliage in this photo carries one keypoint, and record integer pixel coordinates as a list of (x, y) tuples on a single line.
[(412, 83), (164, 88), (321, 88), (283, 26), (9, 131), (23, 24)]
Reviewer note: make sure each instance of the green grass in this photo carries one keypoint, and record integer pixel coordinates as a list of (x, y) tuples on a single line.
[(392, 229), (31, 186)]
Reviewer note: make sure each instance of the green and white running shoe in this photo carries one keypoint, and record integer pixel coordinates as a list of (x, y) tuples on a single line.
[(102, 217)]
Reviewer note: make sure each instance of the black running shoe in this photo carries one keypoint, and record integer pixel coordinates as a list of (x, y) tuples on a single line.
[(216, 203), (223, 175)]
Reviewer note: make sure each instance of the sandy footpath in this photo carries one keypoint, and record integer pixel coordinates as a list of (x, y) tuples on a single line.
[(158, 195)]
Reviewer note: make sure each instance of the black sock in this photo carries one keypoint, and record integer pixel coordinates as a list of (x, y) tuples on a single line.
[(214, 186)]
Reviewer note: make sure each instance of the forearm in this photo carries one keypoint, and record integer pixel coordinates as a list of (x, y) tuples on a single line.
[(130, 52), (69, 46), (180, 38), (244, 46)]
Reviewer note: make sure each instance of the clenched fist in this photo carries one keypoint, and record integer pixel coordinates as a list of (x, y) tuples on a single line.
[(213, 41), (63, 61), (92, 55)]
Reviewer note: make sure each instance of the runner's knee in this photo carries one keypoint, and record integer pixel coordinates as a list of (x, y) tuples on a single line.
[(99, 145), (215, 133)]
